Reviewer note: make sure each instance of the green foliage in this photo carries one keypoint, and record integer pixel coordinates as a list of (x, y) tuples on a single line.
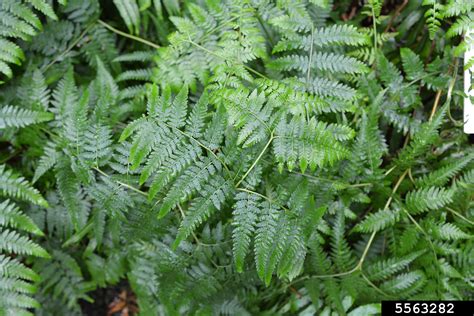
[(235, 158)]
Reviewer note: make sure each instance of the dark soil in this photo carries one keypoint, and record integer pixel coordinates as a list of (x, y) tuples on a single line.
[(103, 297)]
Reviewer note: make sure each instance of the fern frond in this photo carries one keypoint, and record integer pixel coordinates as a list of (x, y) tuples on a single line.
[(307, 143), (421, 141), (449, 231), (245, 213), (12, 242), (429, 198), (13, 185), (130, 14), (462, 25), (192, 179), (403, 282), (384, 269), (268, 248), (378, 221), (11, 216), (412, 64), (211, 199), (12, 116), (441, 176)]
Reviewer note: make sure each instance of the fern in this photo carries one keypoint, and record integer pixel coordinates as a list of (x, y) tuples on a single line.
[(222, 157), (12, 116), (15, 278), (18, 20), (426, 199)]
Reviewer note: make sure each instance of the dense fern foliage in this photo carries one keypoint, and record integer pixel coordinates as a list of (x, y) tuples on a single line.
[(234, 157)]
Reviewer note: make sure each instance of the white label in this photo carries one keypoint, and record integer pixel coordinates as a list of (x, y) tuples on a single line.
[(468, 105)]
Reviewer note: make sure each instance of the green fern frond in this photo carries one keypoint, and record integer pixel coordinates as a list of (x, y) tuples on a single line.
[(449, 231), (211, 198), (422, 140), (406, 282), (12, 242), (378, 221), (11, 216), (12, 116), (384, 269), (429, 198), (433, 16), (441, 176), (13, 185), (130, 14), (462, 25), (245, 213), (268, 248), (307, 144), (412, 64)]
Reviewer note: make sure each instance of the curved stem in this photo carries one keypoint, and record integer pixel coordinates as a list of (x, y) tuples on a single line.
[(120, 182), (256, 160), (133, 37), (78, 39)]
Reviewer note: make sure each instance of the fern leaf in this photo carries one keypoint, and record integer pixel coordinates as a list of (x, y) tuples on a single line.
[(130, 14), (441, 176), (421, 140), (429, 198), (47, 161), (403, 282), (309, 143), (412, 64), (44, 8), (384, 269), (449, 231), (378, 221), (69, 188), (11, 216), (12, 242), (337, 35), (12, 116), (16, 186), (192, 179), (201, 208), (245, 214), (266, 235)]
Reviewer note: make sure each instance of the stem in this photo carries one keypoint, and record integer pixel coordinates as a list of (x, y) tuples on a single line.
[(435, 104), (78, 39), (133, 37), (256, 160), (120, 182), (460, 215)]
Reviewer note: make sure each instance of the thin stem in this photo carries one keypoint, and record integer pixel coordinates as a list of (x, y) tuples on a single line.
[(133, 37), (256, 160), (374, 26), (435, 104), (460, 215), (120, 182), (78, 39), (389, 171), (263, 197), (373, 285)]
